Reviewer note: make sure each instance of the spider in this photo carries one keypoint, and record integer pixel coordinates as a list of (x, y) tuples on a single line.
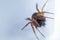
[(37, 20)]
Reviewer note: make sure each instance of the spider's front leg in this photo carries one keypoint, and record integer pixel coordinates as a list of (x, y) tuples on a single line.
[(37, 8)]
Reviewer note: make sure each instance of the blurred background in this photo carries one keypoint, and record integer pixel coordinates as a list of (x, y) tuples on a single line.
[(12, 18)]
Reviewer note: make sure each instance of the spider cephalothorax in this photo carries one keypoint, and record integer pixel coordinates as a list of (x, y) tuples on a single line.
[(37, 20)]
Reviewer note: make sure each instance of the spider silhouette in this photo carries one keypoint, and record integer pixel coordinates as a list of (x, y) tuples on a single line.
[(37, 20)]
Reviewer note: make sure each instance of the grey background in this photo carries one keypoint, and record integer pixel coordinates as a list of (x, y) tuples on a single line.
[(12, 18)]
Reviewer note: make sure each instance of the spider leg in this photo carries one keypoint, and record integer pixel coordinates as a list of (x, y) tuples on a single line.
[(47, 12), (49, 17), (36, 22), (37, 7), (40, 32), (36, 27), (42, 14), (44, 5), (34, 32), (26, 25)]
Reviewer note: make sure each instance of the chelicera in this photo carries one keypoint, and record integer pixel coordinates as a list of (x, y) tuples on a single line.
[(37, 20)]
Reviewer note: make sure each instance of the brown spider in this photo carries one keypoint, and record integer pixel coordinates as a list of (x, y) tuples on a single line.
[(38, 20)]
